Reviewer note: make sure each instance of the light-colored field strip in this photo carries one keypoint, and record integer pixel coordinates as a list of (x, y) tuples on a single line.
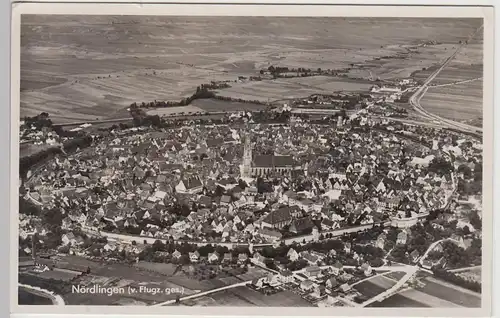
[(427, 299)]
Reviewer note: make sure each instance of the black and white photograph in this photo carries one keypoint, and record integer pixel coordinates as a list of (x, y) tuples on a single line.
[(251, 161)]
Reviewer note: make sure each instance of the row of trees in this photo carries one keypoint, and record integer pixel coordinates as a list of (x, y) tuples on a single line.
[(457, 280), (28, 162), (57, 286)]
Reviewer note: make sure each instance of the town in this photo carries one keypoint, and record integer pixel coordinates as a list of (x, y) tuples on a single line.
[(271, 161), (339, 199)]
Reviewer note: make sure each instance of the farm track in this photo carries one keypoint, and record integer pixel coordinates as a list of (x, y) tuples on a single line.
[(457, 83)]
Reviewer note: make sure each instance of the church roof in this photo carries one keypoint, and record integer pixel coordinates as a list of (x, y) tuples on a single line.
[(271, 161)]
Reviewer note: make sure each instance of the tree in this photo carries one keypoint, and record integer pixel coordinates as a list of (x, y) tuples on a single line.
[(475, 220)]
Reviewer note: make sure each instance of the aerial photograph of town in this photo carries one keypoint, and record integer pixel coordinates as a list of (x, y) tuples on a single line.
[(250, 161)]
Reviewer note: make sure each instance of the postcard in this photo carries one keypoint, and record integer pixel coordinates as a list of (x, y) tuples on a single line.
[(252, 159)]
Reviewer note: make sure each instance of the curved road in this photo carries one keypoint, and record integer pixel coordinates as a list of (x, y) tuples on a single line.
[(420, 92), (56, 299)]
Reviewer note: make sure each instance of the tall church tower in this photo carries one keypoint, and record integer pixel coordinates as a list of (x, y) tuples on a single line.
[(247, 157)]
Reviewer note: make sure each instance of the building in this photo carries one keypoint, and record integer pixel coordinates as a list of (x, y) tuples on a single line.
[(402, 237), (270, 235), (213, 257), (286, 277), (261, 165), (380, 243), (190, 185), (331, 283), (292, 255), (278, 219), (194, 256), (312, 271), (337, 268), (301, 225), (306, 285), (242, 258), (367, 269), (258, 259)]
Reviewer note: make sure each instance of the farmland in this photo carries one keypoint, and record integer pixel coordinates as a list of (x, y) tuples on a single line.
[(458, 102), (244, 296), (269, 90), (434, 294), (120, 60)]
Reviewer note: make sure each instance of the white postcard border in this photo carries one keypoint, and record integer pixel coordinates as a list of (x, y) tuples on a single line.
[(256, 10)]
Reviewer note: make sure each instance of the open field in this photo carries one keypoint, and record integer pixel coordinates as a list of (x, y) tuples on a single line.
[(161, 268), (374, 286), (253, 273), (459, 102), (83, 68), (137, 274), (282, 88), (451, 293), (244, 296), (434, 294), (453, 73), (398, 300)]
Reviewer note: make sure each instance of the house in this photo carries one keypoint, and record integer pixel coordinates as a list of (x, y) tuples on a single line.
[(347, 247), (194, 256), (258, 259), (331, 283), (312, 271), (458, 240), (213, 257), (414, 255), (319, 291), (278, 219), (68, 238), (258, 282), (227, 258), (301, 225), (306, 285), (190, 185), (176, 254), (242, 258), (272, 279), (380, 242), (345, 287), (310, 258), (367, 269), (292, 255), (286, 276), (270, 235), (402, 237), (337, 268)]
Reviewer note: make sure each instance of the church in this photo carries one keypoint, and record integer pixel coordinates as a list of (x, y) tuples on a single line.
[(261, 165)]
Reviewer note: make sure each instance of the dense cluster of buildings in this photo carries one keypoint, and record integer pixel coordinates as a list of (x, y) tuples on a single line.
[(236, 184)]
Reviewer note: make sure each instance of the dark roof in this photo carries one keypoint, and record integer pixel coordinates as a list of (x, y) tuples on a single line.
[(191, 183), (271, 161), (303, 224), (278, 216)]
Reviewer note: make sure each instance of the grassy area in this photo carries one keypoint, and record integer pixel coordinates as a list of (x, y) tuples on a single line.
[(398, 300), (450, 294)]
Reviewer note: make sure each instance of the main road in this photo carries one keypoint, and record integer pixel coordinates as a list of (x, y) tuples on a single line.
[(420, 92)]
